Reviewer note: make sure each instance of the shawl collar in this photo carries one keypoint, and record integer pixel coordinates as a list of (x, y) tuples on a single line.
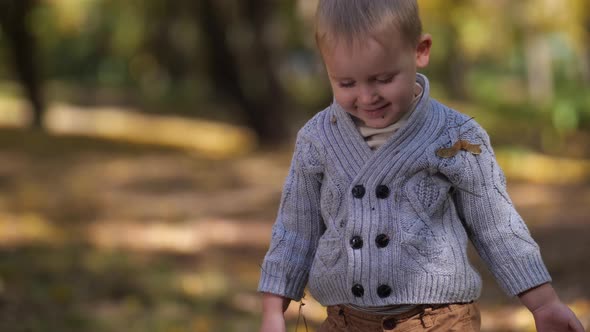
[(354, 153)]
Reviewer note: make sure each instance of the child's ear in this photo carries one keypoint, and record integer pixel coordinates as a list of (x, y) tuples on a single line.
[(423, 51)]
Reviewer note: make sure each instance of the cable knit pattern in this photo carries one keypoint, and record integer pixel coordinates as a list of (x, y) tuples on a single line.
[(433, 208)]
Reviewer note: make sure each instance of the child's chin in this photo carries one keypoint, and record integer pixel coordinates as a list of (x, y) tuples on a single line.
[(378, 123)]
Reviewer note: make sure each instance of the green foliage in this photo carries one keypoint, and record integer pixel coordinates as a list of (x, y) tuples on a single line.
[(153, 52)]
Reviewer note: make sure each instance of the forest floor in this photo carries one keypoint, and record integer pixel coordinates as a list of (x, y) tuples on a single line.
[(104, 236)]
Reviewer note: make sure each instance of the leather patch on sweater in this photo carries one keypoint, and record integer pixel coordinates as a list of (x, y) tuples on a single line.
[(458, 146)]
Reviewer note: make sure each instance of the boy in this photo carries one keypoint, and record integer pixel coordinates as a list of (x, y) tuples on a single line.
[(386, 187)]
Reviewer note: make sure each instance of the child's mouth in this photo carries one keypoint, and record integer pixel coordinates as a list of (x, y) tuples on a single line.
[(377, 112)]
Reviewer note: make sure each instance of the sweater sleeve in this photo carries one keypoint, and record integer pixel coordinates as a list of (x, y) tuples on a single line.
[(298, 225), (497, 231)]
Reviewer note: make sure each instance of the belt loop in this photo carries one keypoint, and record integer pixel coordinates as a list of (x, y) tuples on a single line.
[(426, 318), (342, 315)]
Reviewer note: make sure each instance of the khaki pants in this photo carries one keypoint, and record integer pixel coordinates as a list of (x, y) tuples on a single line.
[(433, 318)]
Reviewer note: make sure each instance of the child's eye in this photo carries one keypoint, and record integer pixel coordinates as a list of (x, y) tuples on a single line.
[(385, 80), (346, 84)]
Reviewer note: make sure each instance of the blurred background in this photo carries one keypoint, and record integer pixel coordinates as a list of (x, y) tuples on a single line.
[(143, 146)]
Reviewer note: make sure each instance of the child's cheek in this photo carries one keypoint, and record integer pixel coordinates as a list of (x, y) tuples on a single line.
[(344, 98)]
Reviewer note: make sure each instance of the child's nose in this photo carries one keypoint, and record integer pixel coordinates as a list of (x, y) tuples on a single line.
[(368, 94)]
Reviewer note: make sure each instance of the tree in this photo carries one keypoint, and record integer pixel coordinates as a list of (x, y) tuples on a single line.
[(263, 104), (13, 21)]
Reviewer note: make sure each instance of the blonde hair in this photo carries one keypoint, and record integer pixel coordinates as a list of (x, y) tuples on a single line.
[(356, 20)]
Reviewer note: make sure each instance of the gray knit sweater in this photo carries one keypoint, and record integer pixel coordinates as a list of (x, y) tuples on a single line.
[(391, 226)]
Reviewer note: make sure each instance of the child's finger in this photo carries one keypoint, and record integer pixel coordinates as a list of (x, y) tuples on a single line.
[(575, 325)]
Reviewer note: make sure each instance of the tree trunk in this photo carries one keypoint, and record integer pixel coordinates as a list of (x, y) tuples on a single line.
[(160, 44), (456, 64), (271, 102), (456, 71), (586, 61), (539, 69), (13, 20), (261, 111)]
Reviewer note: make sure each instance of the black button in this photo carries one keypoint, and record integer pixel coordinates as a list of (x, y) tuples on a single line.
[(382, 240), (382, 191), (358, 191), (389, 324), (358, 290), (356, 242), (383, 291)]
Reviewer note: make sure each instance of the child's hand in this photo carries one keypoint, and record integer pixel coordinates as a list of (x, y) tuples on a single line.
[(273, 309), (551, 315), (273, 322), (556, 317)]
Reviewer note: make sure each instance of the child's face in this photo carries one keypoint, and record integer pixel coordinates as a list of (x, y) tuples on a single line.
[(374, 82)]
